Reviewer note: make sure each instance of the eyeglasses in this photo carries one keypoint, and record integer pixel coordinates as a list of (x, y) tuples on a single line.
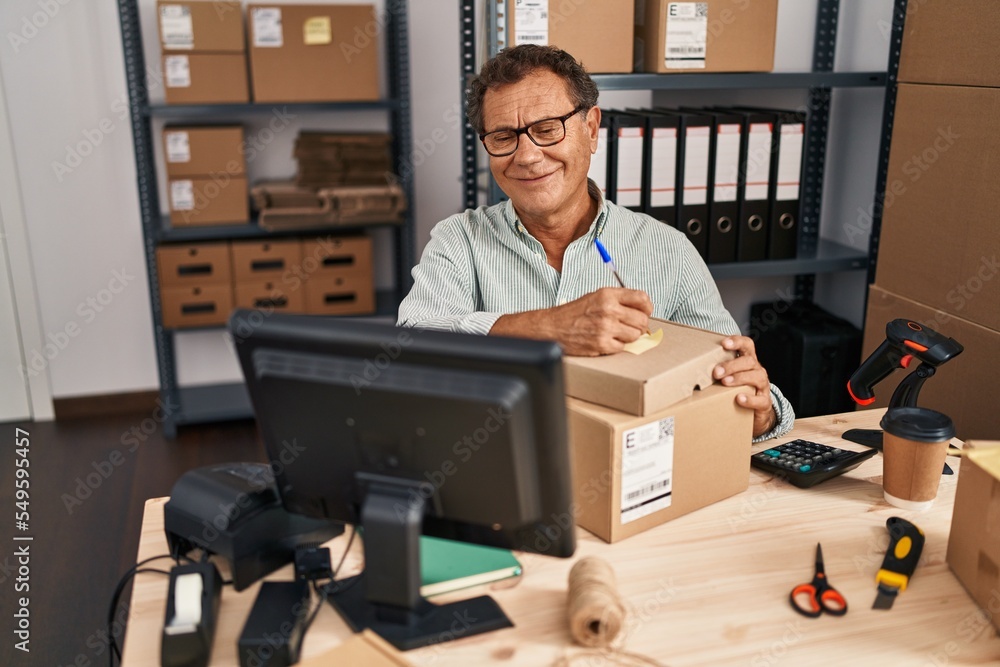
[(545, 132)]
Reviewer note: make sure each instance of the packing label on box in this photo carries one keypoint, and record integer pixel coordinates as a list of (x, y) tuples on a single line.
[(181, 195), (686, 42), (647, 469), (531, 22), (178, 72), (267, 27), (178, 147), (176, 28)]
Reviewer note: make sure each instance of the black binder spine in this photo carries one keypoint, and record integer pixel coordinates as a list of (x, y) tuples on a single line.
[(723, 187), (756, 154), (785, 184), (626, 165), (659, 156), (694, 134)]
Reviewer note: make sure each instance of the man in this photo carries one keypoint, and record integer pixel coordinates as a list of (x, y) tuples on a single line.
[(528, 267)]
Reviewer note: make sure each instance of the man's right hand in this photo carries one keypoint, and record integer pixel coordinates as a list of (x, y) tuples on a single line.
[(601, 322)]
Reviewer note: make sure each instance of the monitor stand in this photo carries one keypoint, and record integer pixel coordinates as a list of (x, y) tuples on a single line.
[(385, 598)]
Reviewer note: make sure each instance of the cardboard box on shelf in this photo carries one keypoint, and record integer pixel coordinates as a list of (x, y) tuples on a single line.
[(313, 53), (974, 540), (255, 261), (337, 257), (208, 201), (959, 388), (632, 473), (951, 42), (203, 151), (193, 265), (205, 78), (270, 296), (598, 34), (199, 26), (196, 306), (940, 240), (646, 383), (348, 294), (706, 36)]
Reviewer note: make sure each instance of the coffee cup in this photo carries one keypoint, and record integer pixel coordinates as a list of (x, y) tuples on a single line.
[(914, 447)]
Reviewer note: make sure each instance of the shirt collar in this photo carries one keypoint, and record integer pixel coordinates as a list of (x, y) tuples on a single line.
[(596, 228)]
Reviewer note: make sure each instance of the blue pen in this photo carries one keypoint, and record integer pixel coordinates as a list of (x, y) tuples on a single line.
[(611, 265)]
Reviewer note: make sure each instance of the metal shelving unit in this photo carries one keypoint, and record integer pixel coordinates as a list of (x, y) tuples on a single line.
[(815, 255), (225, 401)]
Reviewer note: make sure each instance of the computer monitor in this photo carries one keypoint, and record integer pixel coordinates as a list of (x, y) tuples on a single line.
[(403, 431)]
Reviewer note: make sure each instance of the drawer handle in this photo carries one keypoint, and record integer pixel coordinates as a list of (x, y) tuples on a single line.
[(194, 270), (280, 302), (340, 298), (338, 261), (267, 264), (195, 308)]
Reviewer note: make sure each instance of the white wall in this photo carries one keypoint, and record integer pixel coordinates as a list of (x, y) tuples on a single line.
[(64, 80)]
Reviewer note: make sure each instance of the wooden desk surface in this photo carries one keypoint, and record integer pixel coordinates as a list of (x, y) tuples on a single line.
[(708, 588)]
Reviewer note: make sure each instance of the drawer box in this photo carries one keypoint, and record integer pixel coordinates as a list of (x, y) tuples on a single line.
[(340, 295), (194, 265), (271, 296), (337, 257), (221, 200), (198, 306), (260, 261)]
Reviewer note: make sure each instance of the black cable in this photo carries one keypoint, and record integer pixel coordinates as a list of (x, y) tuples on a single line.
[(119, 587), (323, 591)]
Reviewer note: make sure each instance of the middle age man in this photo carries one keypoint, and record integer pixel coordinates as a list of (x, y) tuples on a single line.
[(528, 267)]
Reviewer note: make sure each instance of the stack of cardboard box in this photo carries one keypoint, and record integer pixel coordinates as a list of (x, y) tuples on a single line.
[(203, 52), (939, 250), (644, 427), (206, 175)]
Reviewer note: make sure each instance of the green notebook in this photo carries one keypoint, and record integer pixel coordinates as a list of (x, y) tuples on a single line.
[(447, 566)]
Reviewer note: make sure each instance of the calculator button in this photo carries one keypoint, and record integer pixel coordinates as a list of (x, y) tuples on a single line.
[(805, 468), (773, 452)]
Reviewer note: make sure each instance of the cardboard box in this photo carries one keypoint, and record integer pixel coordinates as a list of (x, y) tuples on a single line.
[(313, 53), (205, 78), (712, 36), (349, 294), (940, 240), (960, 388), (220, 200), (951, 41), (215, 26), (974, 541), (337, 257), (271, 296), (203, 151), (632, 473), (598, 34), (194, 265), (646, 383), (197, 306), (255, 261)]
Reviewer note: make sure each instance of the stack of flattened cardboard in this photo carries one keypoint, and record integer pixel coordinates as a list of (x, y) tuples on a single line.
[(939, 250), (643, 426), (329, 158)]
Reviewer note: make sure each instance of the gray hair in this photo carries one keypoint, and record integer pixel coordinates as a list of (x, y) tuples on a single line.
[(518, 62)]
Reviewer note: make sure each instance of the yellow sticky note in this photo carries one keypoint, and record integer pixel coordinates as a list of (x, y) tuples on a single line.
[(317, 31), (645, 342)]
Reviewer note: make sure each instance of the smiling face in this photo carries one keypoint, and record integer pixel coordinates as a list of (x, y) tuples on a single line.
[(546, 185)]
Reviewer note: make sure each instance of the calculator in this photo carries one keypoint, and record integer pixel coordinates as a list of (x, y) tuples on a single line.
[(805, 463)]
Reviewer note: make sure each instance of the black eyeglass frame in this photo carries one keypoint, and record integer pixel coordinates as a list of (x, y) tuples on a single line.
[(525, 130)]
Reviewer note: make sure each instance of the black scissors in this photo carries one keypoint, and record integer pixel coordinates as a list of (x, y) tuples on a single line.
[(819, 594)]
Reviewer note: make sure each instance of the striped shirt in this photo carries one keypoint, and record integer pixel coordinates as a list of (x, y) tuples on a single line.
[(483, 263)]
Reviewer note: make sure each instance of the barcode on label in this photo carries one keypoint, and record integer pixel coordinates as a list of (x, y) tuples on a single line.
[(531, 38), (650, 488), (686, 50)]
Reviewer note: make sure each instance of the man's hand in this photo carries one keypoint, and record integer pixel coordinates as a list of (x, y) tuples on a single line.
[(601, 322), (745, 370)]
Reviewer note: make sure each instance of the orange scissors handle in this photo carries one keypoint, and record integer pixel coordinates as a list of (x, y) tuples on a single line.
[(819, 596)]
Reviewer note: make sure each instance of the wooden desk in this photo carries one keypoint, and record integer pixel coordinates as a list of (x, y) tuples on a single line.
[(709, 588)]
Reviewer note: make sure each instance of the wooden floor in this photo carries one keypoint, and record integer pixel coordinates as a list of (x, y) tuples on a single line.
[(89, 479)]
